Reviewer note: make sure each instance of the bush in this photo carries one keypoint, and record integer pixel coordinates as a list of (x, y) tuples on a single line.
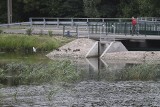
[(29, 31), (50, 33)]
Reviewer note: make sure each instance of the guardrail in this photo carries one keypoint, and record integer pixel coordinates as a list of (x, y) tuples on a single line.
[(149, 19), (145, 26), (72, 21), (122, 25), (83, 21), (16, 24)]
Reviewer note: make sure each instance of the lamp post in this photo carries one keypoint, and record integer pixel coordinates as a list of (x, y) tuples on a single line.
[(9, 6)]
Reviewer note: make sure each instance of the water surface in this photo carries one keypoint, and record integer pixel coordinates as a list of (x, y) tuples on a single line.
[(92, 83)]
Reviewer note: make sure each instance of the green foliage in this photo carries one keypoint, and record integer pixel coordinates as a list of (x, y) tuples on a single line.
[(139, 8), (25, 43), (3, 11), (65, 71), (23, 9), (90, 7), (50, 33), (41, 32), (1, 31), (60, 71), (141, 72), (29, 31)]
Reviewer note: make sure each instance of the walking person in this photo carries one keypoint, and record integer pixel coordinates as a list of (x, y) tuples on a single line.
[(134, 22)]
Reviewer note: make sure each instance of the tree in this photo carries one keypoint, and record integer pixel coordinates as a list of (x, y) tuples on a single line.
[(108, 8), (3, 11), (141, 8), (155, 8), (72, 8), (24, 9), (129, 8), (90, 8), (59, 8)]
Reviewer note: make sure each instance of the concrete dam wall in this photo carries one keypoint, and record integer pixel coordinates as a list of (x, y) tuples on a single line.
[(85, 48)]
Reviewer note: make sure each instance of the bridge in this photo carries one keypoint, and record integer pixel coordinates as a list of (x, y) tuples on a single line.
[(147, 35), (96, 28)]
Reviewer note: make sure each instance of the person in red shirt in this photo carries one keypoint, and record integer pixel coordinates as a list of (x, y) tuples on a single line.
[(134, 22)]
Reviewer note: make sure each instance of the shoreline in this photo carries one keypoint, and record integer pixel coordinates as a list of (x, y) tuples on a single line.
[(133, 55), (120, 57)]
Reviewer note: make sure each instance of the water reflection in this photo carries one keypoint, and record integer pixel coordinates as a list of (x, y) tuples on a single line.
[(117, 70), (98, 83), (11, 64), (19, 69)]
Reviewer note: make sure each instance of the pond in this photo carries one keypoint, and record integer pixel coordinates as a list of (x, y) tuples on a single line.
[(34, 80)]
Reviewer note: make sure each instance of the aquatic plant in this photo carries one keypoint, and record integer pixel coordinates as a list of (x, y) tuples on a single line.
[(140, 72), (60, 71)]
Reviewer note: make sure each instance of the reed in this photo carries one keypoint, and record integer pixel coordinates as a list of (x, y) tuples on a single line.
[(23, 73), (140, 72), (65, 71), (25, 43)]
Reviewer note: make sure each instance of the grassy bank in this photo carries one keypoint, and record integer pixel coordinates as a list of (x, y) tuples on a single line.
[(19, 42)]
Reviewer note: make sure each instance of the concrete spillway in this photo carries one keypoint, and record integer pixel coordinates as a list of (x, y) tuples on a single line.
[(87, 48), (100, 48)]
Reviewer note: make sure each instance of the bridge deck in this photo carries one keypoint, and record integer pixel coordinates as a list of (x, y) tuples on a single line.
[(125, 37)]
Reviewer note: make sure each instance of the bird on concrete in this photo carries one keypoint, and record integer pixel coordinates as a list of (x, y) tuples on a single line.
[(69, 49)]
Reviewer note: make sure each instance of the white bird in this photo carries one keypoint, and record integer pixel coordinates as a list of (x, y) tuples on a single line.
[(113, 26), (34, 49)]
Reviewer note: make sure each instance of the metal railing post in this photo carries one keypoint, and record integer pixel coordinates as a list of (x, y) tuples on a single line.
[(87, 20), (96, 28), (88, 30), (100, 33), (31, 23), (158, 28), (72, 23), (63, 30), (145, 28), (103, 20), (138, 29), (44, 22), (106, 28), (114, 29), (87, 23), (58, 22), (92, 28), (125, 27), (77, 31)]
